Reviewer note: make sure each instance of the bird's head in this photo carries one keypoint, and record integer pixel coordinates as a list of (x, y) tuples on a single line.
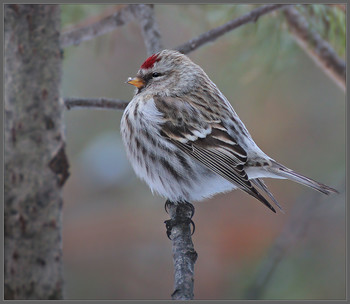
[(167, 73)]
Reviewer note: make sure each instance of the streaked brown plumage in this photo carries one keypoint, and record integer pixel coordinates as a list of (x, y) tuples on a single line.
[(184, 139)]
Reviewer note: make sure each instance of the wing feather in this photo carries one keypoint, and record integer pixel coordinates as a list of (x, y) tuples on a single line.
[(208, 142)]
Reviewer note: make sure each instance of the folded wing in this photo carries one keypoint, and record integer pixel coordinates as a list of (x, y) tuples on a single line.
[(203, 136)]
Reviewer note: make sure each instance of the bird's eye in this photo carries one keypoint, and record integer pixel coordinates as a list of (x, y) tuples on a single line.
[(155, 74)]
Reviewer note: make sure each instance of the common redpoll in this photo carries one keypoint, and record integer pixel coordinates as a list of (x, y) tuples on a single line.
[(183, 137)]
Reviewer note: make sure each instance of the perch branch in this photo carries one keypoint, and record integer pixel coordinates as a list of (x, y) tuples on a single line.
[(184, 255), (144, 14), (294, 230), (103, 26), (318, 49), (215, 33), (99, 103)]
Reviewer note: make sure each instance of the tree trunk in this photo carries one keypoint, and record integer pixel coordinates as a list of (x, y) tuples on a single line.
[(35, 163)]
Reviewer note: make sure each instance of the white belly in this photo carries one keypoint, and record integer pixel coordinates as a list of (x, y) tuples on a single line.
[(168, 171)]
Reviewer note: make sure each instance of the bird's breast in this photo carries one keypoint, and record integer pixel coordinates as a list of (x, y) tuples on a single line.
[(143, 111)]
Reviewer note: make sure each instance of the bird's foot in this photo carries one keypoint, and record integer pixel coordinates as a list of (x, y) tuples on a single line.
[(183, 215), (169, 224), (169, 203)]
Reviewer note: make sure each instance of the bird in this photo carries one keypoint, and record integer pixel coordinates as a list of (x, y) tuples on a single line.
[(185, 140)]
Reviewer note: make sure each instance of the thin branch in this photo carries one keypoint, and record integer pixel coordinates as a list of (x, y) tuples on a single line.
[(317, 48), (99, 103), (215, 33), (103, 26), (184, 255), (144, 14), (295, 229)]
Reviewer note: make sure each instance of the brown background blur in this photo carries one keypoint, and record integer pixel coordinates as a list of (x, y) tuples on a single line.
[(115, 246)]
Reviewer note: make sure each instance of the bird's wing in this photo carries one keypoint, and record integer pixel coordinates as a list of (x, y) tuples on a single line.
[(202, 135)]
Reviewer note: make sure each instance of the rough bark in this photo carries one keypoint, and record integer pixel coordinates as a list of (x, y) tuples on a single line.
[(184, 254), (35, 163)]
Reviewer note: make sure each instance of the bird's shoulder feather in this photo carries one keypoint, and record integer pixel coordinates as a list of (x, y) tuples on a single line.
[(202, 135)]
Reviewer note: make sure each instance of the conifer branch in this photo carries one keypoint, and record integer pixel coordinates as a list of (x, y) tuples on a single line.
[(318, 49), (219, 31)]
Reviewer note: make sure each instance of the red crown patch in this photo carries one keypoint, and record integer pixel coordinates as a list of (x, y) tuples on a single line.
[(150, 61)]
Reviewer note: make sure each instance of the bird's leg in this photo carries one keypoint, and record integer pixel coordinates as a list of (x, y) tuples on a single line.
[(181, 213), (169, 224)]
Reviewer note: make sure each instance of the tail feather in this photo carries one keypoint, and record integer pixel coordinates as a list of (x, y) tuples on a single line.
[(260, 184), (285, 172), (255, 193)]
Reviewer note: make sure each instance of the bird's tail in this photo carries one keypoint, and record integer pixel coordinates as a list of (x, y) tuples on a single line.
[(285, 172)]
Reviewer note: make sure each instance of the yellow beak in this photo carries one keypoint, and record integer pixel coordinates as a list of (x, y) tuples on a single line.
[(137, 82)]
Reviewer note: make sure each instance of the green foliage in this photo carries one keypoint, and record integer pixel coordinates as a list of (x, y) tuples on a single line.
[(252, 40), (329, 21)]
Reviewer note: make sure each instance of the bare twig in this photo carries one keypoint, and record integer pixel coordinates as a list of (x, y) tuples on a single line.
[(144, 14), (295, 229), (103, 26), (100, 103), (317, 48), (215, 33), (184, 255)]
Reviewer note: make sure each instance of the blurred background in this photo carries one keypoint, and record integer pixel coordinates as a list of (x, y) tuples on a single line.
[(114, 240)]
